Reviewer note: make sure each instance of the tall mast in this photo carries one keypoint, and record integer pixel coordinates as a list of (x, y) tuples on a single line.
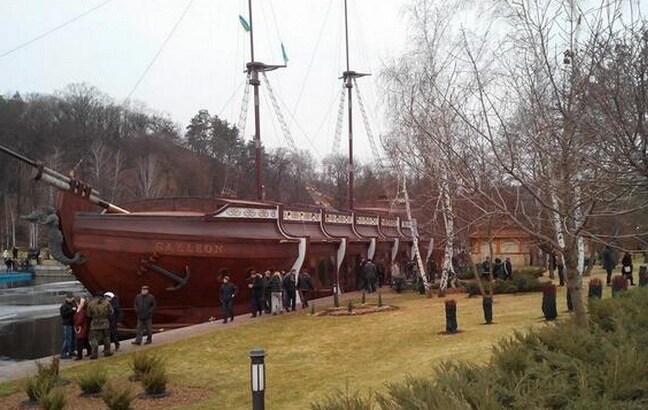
[(253, 68), (348, 76)]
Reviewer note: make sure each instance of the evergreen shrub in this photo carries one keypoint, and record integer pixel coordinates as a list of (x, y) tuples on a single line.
[(154, 381), (116, 398), (144, 362), (93, 381), (38, 386), (562, 366), (54, 400)]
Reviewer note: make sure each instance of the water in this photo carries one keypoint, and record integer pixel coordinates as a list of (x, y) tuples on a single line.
[(30, 326)]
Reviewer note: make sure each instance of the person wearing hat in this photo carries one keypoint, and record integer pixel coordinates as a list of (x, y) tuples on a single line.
[(100, 312), (115, 318), (144, 305), (67, 310)]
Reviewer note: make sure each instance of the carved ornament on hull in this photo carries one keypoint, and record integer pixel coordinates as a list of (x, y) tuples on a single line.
[(248, 213)]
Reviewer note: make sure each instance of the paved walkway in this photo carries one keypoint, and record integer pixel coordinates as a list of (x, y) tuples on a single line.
[(26, 368)]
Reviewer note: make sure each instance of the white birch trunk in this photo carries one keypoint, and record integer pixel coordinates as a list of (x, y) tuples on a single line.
[(447, 270), (560, 237), (580, 242), (6, 219), (417, 252), (13, 230)]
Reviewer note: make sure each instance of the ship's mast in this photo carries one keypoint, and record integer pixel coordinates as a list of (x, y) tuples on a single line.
[(253, 68), (348, 76)]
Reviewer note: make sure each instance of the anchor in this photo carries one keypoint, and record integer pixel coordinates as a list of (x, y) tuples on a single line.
[(151, 264)]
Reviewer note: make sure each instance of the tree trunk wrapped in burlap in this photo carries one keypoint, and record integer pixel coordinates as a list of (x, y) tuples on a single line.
[(619, 284), (643, 276), (549, 302), (487, 305), (451, 316), (595, 289)]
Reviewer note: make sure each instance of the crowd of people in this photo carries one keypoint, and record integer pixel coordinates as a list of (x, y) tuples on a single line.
[(609, 261), (501, 269), (90, 323), (14, 263), (271, 293)]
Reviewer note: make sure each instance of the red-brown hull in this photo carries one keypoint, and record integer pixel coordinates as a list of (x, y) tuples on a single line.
[(183, 255)]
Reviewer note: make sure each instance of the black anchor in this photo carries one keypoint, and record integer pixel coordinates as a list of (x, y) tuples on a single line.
[(151, 263)]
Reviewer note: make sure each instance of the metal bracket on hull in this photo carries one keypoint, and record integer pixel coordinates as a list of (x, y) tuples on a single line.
[(372, 249), (151, 264)]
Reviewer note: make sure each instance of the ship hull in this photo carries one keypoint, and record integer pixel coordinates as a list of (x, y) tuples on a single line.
[(182, 251)]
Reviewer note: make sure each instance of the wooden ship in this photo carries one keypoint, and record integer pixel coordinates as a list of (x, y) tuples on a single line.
[(183, 247)]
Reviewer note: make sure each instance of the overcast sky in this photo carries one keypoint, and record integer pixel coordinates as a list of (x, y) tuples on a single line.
[(202, 64)]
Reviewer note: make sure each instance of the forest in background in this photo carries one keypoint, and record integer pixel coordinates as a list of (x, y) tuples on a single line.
[(130, 152)]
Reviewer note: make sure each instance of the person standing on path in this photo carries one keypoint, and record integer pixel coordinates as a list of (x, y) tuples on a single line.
[(67, 311), (305, 287), (227, 292), (369, 272), (81, 329), (257, 288), (100, 313), (274, 285), (626, 268), (608, 262), (144, 305), (115, 318), (290, 287)]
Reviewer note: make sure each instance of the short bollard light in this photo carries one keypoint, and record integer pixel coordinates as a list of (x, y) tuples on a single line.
[(257, 375)]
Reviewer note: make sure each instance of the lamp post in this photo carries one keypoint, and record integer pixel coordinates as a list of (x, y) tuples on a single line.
[(257, 378)]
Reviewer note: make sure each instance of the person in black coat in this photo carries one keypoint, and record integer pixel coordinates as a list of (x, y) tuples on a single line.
[(227, 292), (257, 286), (144, 305), (508, 268), (267, 295), (305, 287), (67, 311), (608, 262), (116, 317), (369, 271), (626, 268), (498, 269), (290, 288)]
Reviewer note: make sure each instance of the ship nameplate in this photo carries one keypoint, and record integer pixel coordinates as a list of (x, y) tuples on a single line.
[(392, 223), (338, 219), (367, 220), (188, 248), (302, 216), (248, 213)]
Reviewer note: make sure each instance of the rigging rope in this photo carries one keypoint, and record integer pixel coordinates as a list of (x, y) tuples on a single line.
[(230, 183), (312, 59), (338, 124), (60, 26), (157, 54), (365, 119), (282, 122)]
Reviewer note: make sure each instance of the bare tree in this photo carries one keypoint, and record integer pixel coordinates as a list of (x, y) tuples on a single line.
[(149, 176), (502, 116)]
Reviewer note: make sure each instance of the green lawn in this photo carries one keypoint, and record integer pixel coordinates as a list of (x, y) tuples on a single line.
[(308, 357)]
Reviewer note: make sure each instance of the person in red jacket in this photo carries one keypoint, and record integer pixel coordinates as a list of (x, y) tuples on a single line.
[(81, 329)]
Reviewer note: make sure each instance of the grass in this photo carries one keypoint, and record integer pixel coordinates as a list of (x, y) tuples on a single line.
[(308, 357)]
